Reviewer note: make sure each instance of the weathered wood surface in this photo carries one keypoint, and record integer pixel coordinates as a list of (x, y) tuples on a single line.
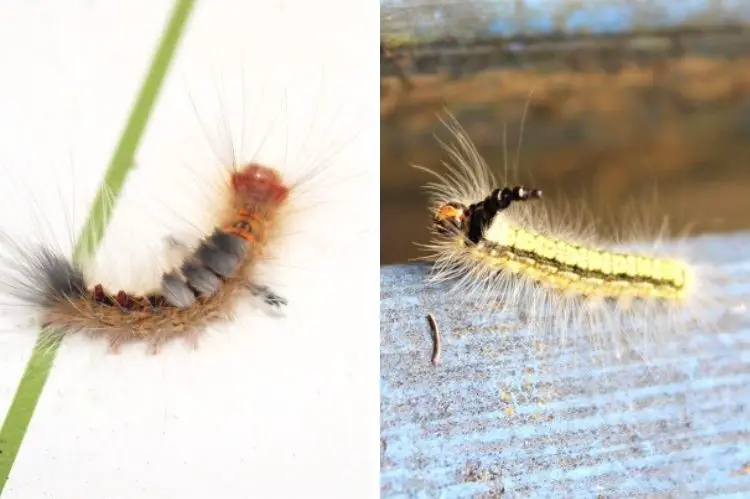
[(465, 37), (430, 20), (498, 414)]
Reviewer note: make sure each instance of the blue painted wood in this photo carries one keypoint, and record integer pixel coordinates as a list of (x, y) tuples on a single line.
[(446, 17), (499, 414)]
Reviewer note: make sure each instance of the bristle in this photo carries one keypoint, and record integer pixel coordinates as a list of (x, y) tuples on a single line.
[(63, 278), (44, 278)]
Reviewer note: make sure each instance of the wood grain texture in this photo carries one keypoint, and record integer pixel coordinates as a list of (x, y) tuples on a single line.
[(505, 415)]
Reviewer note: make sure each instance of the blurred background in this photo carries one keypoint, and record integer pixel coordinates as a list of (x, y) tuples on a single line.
[(628, 95)]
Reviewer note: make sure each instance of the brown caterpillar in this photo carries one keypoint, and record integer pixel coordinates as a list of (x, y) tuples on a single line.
[(203, 288)]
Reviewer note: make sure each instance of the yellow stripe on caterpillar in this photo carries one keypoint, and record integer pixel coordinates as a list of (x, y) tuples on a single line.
[(572, 268)]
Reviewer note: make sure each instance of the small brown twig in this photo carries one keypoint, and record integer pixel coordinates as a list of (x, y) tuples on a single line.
[(436, 339)]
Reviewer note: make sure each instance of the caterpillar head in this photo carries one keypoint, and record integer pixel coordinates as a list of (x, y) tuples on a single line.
[(259, 185), (471, 221), (450, 218)]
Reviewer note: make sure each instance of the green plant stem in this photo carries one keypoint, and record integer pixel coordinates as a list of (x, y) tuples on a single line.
[(42, 357)]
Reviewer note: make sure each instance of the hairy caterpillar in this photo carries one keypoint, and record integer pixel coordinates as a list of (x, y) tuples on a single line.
[(501, 245), (247, 212), (202, 288)]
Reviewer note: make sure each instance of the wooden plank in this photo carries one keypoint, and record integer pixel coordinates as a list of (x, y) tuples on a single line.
[(427, 21), (499, 413)]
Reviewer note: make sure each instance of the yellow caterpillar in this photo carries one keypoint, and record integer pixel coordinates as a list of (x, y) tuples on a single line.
[(499, 243)]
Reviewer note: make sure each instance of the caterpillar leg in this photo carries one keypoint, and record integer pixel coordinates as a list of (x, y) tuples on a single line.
[(269, 297)]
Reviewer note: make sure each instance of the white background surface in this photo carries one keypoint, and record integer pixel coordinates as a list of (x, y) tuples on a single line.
[(266, 406)]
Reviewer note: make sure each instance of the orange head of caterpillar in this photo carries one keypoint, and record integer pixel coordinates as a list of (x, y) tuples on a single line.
[(450, 218), (258, 184)]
